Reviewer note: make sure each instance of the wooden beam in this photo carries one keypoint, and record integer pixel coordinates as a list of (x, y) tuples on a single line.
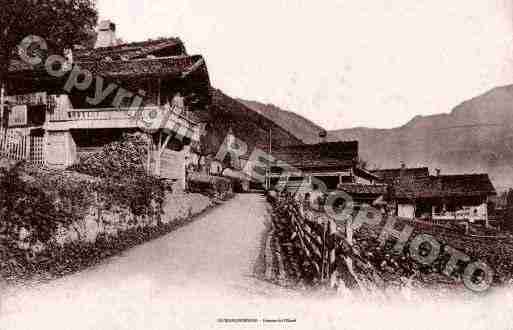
[(166, 141), (160, 150), (2, 95), (159, 101), (148, 161), (193, 67), (159, 153)]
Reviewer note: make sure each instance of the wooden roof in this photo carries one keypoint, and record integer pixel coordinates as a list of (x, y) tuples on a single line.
[(328, 155), (460, 185), (160, 47), (165, 66), (389, 175), (363, 189), (159, 58)]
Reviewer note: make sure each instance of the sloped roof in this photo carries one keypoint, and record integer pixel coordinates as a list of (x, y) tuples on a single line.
[(164, 57), (460, 185), (172, 47), (159, 66), (167, 66), (363, 173), (321, 155), (363, 189), (391, 174)]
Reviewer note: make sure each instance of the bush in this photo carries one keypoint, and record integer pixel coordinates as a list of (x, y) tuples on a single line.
[(124, 180), (27, 204), (139, 194), (118, 160), (210, 185)]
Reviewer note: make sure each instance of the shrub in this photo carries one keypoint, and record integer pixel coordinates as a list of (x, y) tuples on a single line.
[(27, 204), (210, 185), (124, 180), (119, 160)]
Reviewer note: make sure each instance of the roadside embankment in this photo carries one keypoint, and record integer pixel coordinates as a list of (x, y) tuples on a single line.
[(57, 222)]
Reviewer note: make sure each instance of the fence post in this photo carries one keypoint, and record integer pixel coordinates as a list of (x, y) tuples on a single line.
[(27, 147)]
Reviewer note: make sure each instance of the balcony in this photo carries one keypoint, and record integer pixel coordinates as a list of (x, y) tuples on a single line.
[(149, 119)]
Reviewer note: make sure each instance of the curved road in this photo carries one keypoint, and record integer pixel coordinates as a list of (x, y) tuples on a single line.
[(208, 270), (185, 278)]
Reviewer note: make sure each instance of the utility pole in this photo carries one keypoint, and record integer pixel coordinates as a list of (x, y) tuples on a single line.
[(268, 179)]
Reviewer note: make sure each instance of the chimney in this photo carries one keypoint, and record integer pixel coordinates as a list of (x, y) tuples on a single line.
[(402, 171), (437, 172), (323, 135), (106, 34)]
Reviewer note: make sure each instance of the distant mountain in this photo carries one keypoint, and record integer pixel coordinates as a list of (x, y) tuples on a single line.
[(476, 136), (302, 128)]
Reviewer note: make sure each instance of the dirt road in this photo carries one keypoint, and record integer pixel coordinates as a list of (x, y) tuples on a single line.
[(193, 271), (207, 270)]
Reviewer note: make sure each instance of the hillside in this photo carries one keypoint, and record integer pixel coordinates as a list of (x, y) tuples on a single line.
[(476, 136), (247, 125), (301, 127)]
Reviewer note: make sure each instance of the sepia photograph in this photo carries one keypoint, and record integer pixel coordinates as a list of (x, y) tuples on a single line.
[(272, 164)]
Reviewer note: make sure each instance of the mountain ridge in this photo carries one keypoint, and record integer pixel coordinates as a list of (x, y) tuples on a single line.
[(306, 130), (476, 136)]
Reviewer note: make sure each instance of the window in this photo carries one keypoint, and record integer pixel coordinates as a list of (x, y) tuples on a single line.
[(331, 182)]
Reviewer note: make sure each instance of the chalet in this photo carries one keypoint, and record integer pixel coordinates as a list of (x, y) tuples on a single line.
[(444, 197), (152, 86), (334, 163)]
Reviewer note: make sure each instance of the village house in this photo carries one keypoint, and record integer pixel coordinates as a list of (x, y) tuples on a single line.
[(462, 197), (414, 193), (335, 164), (152, 86)]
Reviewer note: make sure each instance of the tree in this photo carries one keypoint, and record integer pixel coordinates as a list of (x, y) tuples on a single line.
[(61, 23)]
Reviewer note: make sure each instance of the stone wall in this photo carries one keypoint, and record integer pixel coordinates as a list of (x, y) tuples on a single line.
[(98, 235), (98, 221)]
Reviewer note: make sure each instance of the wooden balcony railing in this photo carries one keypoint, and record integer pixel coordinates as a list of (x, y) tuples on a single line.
[(101, 114), (115, 113), (153, 117)]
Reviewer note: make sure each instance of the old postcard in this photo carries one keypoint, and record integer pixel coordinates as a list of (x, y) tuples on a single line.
[(284, 164)]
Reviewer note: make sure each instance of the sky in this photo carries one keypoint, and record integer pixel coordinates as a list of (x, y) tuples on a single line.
[(339, 63)]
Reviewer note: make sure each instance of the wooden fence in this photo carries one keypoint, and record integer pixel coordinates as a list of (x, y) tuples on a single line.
[(37, 150), (319, 250), (17, 146)]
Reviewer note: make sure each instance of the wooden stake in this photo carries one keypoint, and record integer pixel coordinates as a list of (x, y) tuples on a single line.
[(2, 95), (148, 161), (160, 151), (164, 145), (157, 160), (159, 101)]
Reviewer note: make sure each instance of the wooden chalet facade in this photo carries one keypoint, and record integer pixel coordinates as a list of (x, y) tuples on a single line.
[(155, 87), (333, 163), (461, 197)]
